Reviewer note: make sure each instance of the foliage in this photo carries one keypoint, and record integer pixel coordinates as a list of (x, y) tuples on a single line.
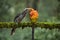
[(25, 34), (49, 14)]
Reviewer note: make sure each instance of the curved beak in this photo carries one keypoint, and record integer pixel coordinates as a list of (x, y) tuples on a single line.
[(28, 9)]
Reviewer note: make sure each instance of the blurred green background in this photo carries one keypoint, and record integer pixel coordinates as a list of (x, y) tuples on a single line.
[(49, 11)]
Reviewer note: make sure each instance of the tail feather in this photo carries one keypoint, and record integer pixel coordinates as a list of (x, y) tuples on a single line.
[(13, 31)]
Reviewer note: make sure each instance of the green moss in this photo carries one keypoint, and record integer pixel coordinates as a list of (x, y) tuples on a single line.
[(40, 24)]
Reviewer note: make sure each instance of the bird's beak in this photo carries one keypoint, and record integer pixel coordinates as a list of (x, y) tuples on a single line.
[(29, 9)]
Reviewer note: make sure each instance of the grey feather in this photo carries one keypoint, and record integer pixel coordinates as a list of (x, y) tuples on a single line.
[(19, 18)]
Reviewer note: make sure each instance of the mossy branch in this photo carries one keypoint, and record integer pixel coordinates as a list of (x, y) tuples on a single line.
[(39, 24)]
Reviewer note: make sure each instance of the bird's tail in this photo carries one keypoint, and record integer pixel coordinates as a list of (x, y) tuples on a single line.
[(13, 31)]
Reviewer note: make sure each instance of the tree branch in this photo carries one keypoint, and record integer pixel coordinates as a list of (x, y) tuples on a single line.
[(40, 24)]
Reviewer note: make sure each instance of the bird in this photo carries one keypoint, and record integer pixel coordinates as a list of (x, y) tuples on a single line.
[(33, 14), (18, 18)]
